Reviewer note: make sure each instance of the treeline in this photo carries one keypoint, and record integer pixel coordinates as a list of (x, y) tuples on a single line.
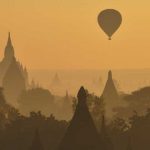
[(18, 134), (17, 131)]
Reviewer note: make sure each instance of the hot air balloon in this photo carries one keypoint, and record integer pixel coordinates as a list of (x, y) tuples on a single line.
[(109, 20)]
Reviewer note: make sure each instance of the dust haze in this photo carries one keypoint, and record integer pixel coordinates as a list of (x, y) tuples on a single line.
[(74, 75)]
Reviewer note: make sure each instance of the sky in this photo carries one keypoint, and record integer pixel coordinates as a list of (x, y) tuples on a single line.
[(64, 34)]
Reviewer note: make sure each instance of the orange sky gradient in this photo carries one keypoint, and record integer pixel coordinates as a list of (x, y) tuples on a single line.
[(64, 34)]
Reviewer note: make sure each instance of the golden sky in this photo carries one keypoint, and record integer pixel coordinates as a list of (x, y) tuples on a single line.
[(64, 34)]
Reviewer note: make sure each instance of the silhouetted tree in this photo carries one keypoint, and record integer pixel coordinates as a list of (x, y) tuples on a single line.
[(65, 110), (18, 133), (118, 126), (138, 101), (36, 99), (105, 139)]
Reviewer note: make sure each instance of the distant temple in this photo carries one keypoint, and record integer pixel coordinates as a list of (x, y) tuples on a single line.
[(81, 133), (66, 108), (13, 76), (56, 81), (110, 95)]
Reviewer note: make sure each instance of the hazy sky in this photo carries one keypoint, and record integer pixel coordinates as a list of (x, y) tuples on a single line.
[(64, 34)]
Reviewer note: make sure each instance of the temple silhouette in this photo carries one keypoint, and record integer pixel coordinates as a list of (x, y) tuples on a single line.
[(13, 82), (81, 133), (13, 76), (110, 95), (56, 80), (66, 108)]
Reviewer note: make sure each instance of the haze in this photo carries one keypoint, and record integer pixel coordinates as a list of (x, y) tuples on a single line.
[(63, 34)]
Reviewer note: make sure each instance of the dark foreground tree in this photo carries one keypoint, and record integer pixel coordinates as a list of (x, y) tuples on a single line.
[(37, 99), (106, 140)]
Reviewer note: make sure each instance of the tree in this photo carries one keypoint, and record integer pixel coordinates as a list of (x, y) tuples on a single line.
[(138, 101), (37, 99)]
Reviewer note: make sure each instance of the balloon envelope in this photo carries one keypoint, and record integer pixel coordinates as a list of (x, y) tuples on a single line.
[(109, 20)]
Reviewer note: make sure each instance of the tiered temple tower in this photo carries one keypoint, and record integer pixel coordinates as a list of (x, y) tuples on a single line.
[(81, 133), (9, 55), (13, 83), (13, 76)]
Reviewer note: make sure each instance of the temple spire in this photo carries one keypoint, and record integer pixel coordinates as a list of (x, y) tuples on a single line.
[(82, 96), (9, 50), (110, 74), (9, 39), (110, 96)]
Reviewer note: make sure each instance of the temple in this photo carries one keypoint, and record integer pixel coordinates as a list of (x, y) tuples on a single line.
[(110, 95), (81, 133), (13, 76)]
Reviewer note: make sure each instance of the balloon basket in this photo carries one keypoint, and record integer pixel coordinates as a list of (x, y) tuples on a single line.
[(109, 38)]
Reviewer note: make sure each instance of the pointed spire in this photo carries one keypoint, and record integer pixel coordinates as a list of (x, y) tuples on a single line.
[(9, 50), (110, 95), (110, 74), (82, 95), (81, 133), (9, 39), (56, 80)]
